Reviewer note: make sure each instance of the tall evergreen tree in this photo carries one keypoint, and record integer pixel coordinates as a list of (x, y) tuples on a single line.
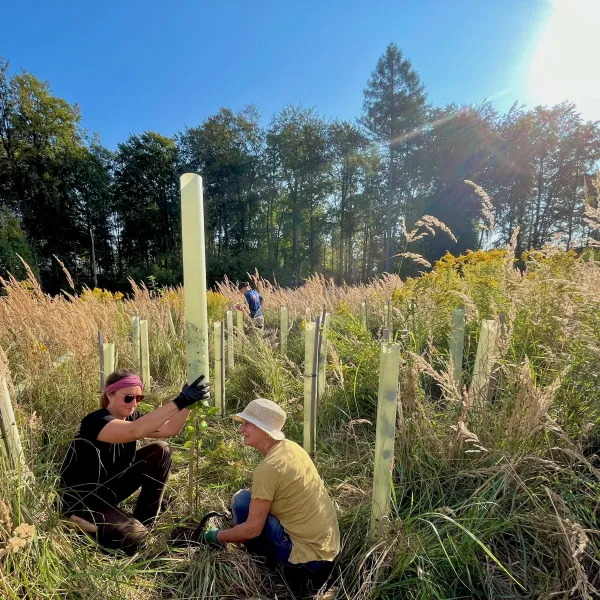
[(393, 110)]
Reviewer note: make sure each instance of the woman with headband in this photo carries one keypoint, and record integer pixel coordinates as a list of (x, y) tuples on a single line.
[(103, 466)]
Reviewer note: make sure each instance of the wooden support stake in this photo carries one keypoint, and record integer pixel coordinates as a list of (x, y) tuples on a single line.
[(387, 411), (311, 356), (314, 393), (4, 446), (484, 362), (12, 438), (323, 355), (145, 353), (386, 335), (457, 343), (219, 347), (230, 348), (194, 289), (502, 319), (135, 339), (108, 352), (101, 356), (284, 320)]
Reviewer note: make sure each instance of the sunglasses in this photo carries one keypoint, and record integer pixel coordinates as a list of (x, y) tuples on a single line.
[(131, 397)]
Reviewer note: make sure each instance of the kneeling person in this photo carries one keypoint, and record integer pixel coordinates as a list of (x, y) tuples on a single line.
[(103, 466), (288, 516)]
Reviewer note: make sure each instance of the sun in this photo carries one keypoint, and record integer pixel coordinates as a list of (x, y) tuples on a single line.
[(565, 61)]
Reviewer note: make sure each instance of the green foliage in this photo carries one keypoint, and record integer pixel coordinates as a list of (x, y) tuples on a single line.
[(305, 194), (498, 502), (13, 242)]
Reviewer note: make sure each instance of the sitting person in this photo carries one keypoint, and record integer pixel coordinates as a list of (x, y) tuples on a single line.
[(288, 516), (103, 466)]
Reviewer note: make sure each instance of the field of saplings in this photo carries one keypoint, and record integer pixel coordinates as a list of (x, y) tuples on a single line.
[(494, 486)]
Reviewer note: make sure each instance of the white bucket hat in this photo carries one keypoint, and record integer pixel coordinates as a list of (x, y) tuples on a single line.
[(266, 415)]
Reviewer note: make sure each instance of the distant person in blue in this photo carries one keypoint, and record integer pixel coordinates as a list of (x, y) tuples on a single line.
[(254, 300)]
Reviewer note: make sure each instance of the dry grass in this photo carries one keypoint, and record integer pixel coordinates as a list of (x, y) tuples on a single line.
[(504, 505)]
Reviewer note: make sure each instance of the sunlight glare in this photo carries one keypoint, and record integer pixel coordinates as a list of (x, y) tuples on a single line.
[(565, 62)]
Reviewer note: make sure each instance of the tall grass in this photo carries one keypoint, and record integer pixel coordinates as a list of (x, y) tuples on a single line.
[(498, 501)]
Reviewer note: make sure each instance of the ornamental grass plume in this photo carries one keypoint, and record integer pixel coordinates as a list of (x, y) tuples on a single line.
[(487, 208), (417, 258), (531, 404), (22, 536), (5, 519), (423, 227)]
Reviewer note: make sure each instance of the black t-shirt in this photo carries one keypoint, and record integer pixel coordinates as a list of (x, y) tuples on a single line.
[(90, 463)]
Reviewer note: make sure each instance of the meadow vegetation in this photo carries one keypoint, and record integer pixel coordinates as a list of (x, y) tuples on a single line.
[(497, 500)]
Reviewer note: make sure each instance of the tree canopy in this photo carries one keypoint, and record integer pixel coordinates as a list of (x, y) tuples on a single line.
[(305, 193)]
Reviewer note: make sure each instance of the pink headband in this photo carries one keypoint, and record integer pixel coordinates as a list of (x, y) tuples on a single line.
[(128, 381)]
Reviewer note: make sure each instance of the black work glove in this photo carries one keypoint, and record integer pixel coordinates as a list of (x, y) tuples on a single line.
[(190, 394)]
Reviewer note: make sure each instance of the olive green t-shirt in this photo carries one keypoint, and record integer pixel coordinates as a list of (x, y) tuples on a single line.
[(288, 477)]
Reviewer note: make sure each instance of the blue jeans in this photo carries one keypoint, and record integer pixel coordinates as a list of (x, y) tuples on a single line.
[(273, 543)]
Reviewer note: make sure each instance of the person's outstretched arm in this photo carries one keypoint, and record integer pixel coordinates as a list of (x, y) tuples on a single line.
[(250, 529), (172, 426)]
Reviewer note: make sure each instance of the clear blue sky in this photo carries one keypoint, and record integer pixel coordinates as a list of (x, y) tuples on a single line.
[(135, 65)]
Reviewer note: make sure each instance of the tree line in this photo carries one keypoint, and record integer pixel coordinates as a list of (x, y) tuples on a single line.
[(304, 194)]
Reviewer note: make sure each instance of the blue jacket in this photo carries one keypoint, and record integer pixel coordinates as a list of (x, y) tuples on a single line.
[(254, 300)]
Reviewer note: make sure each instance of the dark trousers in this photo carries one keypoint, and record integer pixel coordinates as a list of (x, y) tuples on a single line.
[(117, 529)]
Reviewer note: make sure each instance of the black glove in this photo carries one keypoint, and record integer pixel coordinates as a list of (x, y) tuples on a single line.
[(190, 394)]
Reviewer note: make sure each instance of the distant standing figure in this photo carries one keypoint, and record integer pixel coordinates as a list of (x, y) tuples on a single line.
[(254, 300)]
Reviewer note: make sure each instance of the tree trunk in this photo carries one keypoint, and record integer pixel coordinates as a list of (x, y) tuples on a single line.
[(295, 248), (93, 262), (388, 220), (363, 272), (535, 236), (350, 263)]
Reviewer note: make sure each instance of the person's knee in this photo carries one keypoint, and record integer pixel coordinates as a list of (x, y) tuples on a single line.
[(156, 455), (128, 535), (160, 447), (241, 498), (134, 537), (240, 506)]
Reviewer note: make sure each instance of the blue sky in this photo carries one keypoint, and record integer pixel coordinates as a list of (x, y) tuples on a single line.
[(159, 65)]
